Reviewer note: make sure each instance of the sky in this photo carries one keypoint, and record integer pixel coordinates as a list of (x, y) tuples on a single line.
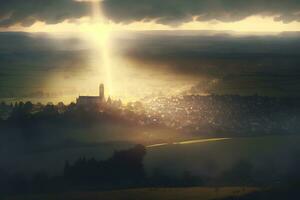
[(54, 50)]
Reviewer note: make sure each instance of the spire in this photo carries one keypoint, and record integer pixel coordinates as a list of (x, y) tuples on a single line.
[(109, 101), (101, 91)]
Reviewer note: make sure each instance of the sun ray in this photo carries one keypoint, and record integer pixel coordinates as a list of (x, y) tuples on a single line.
[(100, 35)]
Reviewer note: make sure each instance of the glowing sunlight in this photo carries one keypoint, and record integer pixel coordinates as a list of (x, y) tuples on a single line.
[(99, 33)]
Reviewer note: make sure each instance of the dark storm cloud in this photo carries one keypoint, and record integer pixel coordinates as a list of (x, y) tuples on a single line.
[(26, 12), (266, 65), (178, 11), (172, 12)]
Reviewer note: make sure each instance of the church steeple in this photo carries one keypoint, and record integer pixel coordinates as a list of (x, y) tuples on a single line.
[(109, 101), (101, 91)]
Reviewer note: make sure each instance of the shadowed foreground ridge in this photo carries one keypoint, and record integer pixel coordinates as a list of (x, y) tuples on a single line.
[(124, 169)]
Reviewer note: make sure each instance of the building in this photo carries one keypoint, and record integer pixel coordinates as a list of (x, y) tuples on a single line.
[(92, 100)]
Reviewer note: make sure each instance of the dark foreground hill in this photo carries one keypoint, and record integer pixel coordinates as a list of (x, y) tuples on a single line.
[(193, 193)]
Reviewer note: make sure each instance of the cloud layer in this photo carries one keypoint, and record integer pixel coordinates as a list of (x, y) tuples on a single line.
[(49, 11), (170, 12), (178, 11)]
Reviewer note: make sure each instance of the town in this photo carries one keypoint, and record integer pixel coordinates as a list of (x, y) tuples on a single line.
[(212, 115)]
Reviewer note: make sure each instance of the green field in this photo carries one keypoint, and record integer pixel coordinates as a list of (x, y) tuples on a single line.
[(271, 156), (193, 193), (214, 157)]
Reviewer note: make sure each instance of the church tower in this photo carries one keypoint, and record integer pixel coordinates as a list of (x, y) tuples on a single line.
[(101, 91)]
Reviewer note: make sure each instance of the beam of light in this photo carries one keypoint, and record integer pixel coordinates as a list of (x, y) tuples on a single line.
[(99, 32), (202, 141), (157, 145), (189, 142)]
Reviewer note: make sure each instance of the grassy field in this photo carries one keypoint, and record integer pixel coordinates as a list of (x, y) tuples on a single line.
[(271, 155), (213, 157), (193, 193)]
